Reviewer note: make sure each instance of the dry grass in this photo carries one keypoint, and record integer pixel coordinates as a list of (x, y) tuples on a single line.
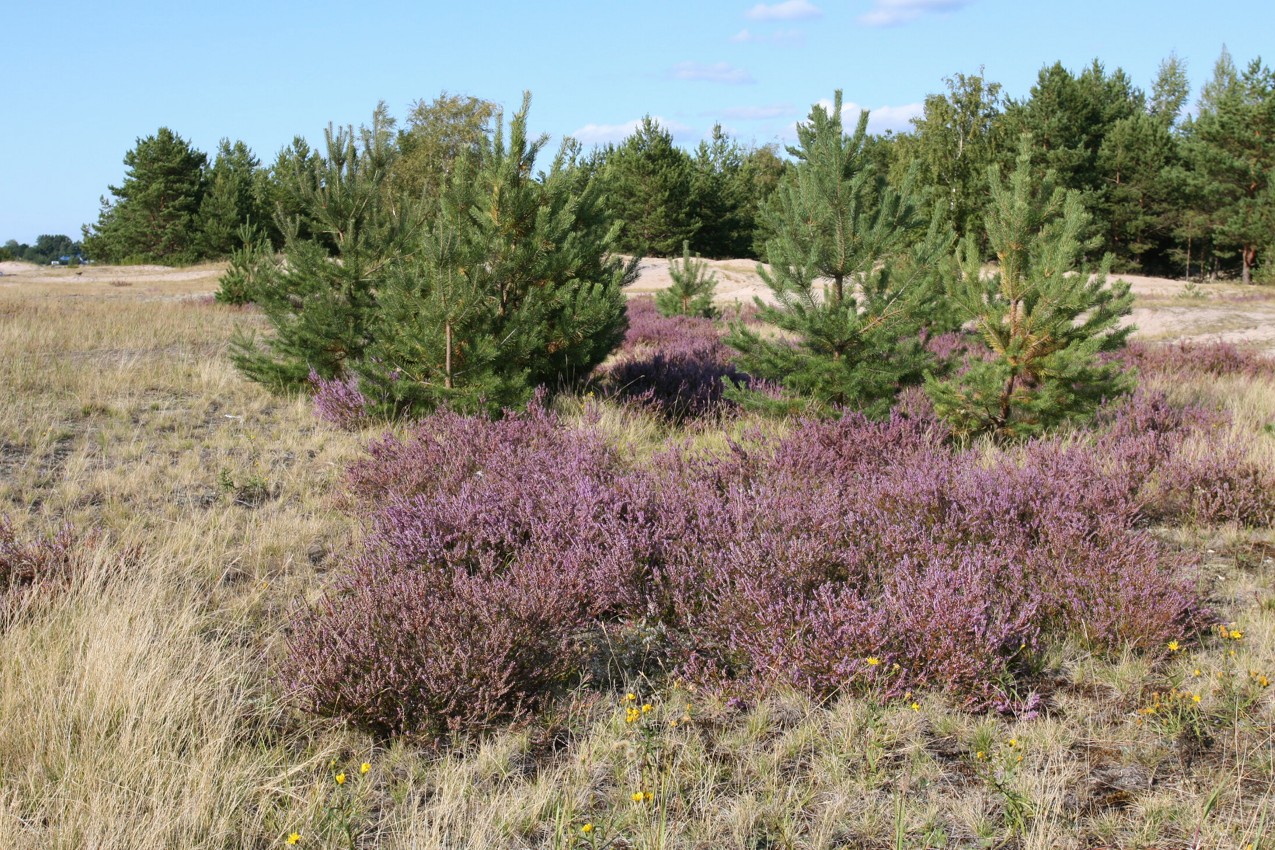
[(138, 708)]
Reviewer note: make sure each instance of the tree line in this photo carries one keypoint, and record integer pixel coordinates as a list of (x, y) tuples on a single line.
[(1173, 188)]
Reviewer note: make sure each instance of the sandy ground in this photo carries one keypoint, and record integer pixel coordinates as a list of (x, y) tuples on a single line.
[(1165, 308)]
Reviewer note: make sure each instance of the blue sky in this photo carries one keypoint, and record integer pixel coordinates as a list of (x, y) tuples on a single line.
[(86, 79)]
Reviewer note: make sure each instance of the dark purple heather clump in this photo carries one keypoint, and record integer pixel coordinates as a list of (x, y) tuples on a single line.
[(849, 555), (675, 366)]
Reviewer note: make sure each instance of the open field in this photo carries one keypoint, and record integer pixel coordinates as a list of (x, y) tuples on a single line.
[(140, 708)]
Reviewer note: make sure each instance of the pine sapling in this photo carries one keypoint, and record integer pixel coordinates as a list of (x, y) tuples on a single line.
[(693, 289), (1045, 320), (852, 265)]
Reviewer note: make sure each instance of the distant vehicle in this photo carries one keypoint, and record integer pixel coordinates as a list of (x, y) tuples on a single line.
[(68, 259)]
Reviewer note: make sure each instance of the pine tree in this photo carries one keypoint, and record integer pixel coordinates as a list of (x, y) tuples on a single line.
[(321, 301), (719, 197), (154, 216), (513, 285), (649, 190), (1045, 321), (693, 289), (1230, 147), (851, 264), (231, 200), (252, 265)]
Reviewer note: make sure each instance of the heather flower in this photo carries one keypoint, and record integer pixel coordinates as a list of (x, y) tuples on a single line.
[(339, 401)]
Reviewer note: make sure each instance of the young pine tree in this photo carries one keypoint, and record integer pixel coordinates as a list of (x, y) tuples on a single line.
[(252, 264), (516, 284), (1045, 320), (852, 265), (321, 300), (693, 289)]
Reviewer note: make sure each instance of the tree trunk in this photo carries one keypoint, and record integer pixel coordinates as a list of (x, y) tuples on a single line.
[(1249, 255), (447, 368)]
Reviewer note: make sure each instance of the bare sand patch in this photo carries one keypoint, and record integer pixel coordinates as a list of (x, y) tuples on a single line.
[(1165, 308)]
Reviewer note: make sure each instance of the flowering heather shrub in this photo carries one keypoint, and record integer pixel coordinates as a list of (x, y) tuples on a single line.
[(672, 365), (855, 540), (493, 545), (846, 555), (1194, 359), (1183, 464), (36, 565), (339, 402)]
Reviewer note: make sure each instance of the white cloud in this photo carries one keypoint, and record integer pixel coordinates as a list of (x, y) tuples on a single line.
[(880, 119), (718, 72), (789, 10), (889, 13), (745, 36), (601, 134), (757, 113)]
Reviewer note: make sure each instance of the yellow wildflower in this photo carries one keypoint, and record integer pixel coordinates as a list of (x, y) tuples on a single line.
[(1236, 634), (1198, 672), (637, 796), (1174, 646), (364, 767), (340, 779), (1013, 742), (1195, 697), (587, 828), (980, 755), (646, 707), (630, 697), (873, 661), (294, 838), (916, 706)]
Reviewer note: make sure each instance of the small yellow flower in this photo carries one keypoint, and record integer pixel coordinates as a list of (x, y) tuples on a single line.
[(587, 828), (873, 661), (647, 795), (1263, 681), (980, 755), (1236, 634), (294, 838), (916, 706), (646, 707), (1013, 742), (672, 724), (1195, 697), (630, 697), (340, 779), (637, 796), (364, 767), (1198, 672), (1174, 646)]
